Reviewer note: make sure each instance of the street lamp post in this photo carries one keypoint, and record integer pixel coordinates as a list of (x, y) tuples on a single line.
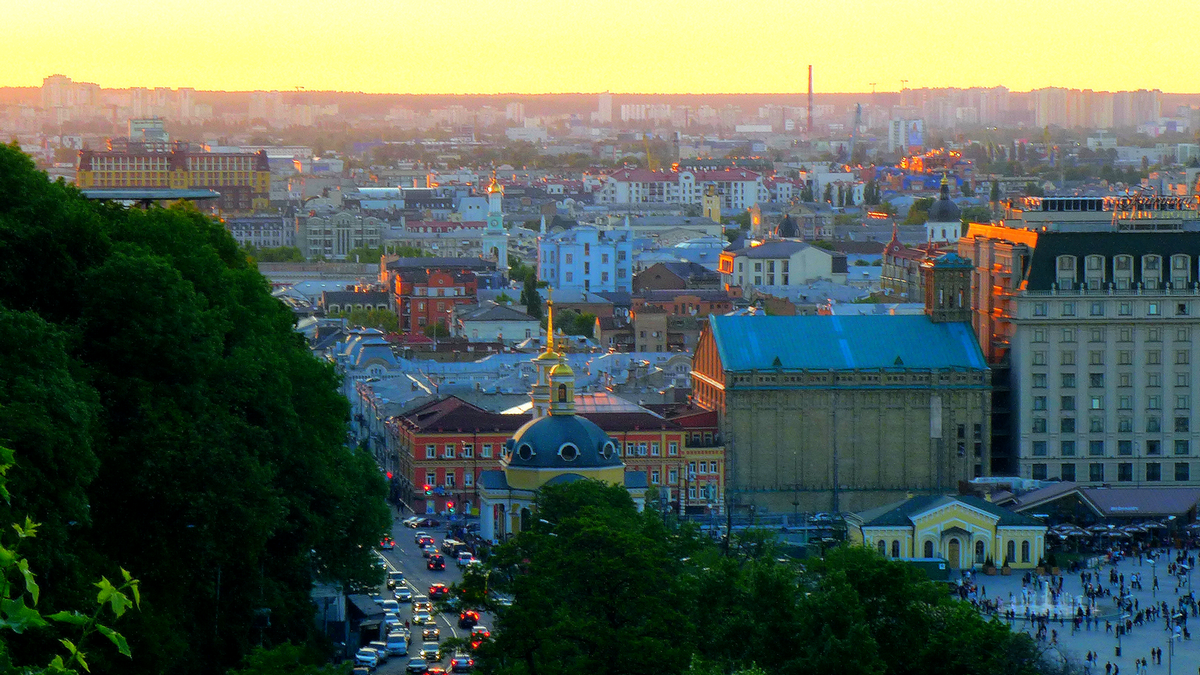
[(1120, 630)]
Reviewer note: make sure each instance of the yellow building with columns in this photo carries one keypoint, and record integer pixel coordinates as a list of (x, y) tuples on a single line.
[(966, 531), (556, 446)]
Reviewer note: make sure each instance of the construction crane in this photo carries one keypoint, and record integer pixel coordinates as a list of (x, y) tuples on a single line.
[(854, 132), (651, 163)]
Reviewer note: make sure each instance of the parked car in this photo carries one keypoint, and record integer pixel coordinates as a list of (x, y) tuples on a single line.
[(465, 558), (428, 522), (367, 657), (411, 521)]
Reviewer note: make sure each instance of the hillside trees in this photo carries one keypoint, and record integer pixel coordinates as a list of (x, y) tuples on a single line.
[(181, 428)]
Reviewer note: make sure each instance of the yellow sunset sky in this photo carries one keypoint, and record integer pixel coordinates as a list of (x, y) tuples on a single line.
[(662, 46)]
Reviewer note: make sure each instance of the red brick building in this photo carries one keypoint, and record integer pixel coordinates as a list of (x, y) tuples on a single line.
[(425, 290), (451, 442)]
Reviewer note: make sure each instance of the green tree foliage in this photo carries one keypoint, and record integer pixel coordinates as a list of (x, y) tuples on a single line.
[(277, 254), (520, 272), (530, 296), (968, 189), (977, 214), (828, 196), (384, 320), (188, 432), (994, 195), (871, 193), (571, 322), (369, 254), (806, 193), (599, 588), (918, 213), (1034, 190), (288, 659), (436, 330)]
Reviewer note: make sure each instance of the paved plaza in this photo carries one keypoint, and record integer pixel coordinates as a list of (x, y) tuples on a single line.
[(1140, 640)]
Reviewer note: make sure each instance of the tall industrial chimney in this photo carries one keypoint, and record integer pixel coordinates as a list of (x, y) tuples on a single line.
[(809, 99)]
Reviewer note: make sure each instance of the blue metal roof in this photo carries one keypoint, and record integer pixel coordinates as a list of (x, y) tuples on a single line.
[(843, 343)]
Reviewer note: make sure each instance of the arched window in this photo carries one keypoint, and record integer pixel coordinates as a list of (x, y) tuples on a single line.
[(1025, 551), (1011, 552), (895, 548), (979, 552), (929, 549), (562, 393), (882, 546)]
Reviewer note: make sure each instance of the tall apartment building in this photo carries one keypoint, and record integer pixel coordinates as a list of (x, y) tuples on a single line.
[(242, 179), (588, 259), (1087, 310), (333, 236)]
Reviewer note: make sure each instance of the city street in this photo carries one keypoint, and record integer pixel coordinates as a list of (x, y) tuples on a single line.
[(406, 557)]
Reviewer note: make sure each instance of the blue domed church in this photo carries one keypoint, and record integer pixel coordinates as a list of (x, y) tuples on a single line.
[(556, 446)]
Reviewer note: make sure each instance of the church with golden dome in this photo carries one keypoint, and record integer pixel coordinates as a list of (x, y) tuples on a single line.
[(556, 446)]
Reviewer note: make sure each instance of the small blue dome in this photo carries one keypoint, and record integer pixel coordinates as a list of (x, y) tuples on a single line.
[(562, 442)]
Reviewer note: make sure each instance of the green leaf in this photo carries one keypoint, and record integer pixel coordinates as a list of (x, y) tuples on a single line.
[(119, 603), (116, 638), (106, 590), (17, 616), (78, 655), (69, 617), (30, 585), (137, 594), (125, 574)]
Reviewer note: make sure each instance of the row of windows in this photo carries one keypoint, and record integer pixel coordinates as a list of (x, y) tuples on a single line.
[(1096, 472), (980, 550), (1096, 381), (1124, 334), (1151, 264), (1124, 308), (1183, 357), (1125, 448), (451, 450), (1067, 425), (1124, 402)]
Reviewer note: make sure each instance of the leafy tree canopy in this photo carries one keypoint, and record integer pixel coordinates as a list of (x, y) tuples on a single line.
[(165, 417)]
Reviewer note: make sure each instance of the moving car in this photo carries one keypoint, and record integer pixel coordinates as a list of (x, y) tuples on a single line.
[(461, 663), (411, 521), (478, 635), (436, 669), (387, 544), (438, 590), (421, 603), (381, 649), (431, 651), (429, 550), (431, 634), (367, 657), (395, 578), (416, 666), (468, 619), (421, 619), (397, 644), (452, 546), (393, 621), (421, 534), (403, 594), (436, 563), (465, 558), (390, 606)]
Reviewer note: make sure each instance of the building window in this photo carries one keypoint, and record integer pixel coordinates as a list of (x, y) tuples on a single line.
[(1096, 425), (1067, 359), (1153, 471), (487, 451), (1153, 447), (641, 449), (1097, 308), (1068, 380), (1039, 335), (881, 546), (1068, 335), (1038, 471), (1096, 448), (430, 478), (1096, 472), (468, 479), (654, 478), (1067, 472), (1039, 402), (1039, 425), (895, 548), (1183, 425), (1183, 447), (1039, 309), (449, 451), (1066, 425), (1182, 357), (1025, 551), (1039, 381), (929, 549), (1097, 403), (1096, 379), (468, 451), (1039, 358), (1183, 471), (449, 479), (1151, 308), (672, 449), (1066, 448), (431, 452), (654, 450), (630, 449), (1125, 308), (673, 476), (1124, 472), (1067, 402), (1068, 308), (1125, 448), (1096, 358), (1039, 448), (1153, 424)]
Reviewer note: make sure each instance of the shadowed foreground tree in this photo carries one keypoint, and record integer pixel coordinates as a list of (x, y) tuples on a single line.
[(598, 587), (181, 425)]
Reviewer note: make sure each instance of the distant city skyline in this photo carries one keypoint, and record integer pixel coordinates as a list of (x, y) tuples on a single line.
[(647, 47)]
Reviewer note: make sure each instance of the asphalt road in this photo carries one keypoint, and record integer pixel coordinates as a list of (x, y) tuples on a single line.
[(407, 558)]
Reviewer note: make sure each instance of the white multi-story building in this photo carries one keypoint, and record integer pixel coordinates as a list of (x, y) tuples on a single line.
[(739, 188), (588, 259), (332, 237), (1096, 325), (781, 263)]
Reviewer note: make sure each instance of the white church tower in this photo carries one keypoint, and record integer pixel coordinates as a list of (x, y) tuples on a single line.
[(495, 237)]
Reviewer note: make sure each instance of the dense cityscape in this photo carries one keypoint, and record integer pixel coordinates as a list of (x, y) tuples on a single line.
[(314, 382)]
